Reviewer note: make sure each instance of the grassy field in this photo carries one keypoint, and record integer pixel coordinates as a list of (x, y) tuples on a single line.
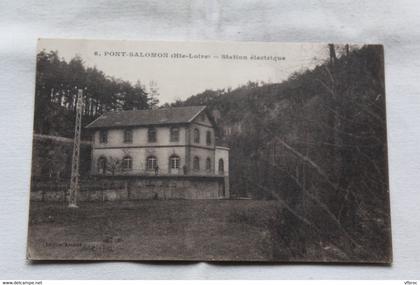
[(155, 230)]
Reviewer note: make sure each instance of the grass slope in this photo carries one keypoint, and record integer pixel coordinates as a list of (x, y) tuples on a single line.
[(154, 230)]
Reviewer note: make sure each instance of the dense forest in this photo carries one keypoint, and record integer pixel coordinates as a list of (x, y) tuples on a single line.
[(57, 82), (317, 144)]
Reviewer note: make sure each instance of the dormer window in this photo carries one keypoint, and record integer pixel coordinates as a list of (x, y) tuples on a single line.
[(128, 136), (151, 135), (103, 136), (174, 137)]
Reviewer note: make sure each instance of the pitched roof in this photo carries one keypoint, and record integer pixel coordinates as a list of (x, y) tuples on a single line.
[(173, 115)]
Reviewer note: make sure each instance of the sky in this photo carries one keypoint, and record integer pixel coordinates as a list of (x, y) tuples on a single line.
[(183, 69)]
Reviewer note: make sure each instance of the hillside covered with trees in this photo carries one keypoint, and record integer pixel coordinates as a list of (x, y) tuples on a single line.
[(317, 144)]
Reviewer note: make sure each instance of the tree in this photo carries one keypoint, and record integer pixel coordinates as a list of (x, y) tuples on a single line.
[(113, 165), (56, 161), (153, 94)]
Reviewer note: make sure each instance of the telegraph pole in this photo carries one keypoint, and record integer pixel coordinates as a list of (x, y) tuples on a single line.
[(74, 180)]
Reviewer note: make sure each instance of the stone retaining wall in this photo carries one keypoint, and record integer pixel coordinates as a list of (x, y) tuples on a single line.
[(135, 188)]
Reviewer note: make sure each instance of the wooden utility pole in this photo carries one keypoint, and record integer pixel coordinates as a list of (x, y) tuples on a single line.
[(74, 180)]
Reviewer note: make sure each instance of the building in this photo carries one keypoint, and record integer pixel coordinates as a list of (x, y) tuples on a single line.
[(176, 144)]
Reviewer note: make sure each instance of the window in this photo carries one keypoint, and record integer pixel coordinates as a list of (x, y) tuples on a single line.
[(196, 136), (151, 135), (127, 163), (208, 138), (103, 136), (208, 164), (196, 163), (102, 165), (128, 136), (151, 163), (221, 166), (174, 162), (174, 134)]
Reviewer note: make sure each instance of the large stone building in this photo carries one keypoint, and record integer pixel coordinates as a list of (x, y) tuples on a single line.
[(173, 144)]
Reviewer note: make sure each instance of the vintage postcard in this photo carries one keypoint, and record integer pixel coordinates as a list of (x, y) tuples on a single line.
[(209, 151)]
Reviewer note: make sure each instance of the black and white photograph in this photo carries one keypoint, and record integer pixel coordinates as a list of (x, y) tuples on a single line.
[(209, 151)]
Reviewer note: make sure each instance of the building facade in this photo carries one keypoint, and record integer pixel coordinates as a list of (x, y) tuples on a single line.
[(162, 143)]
